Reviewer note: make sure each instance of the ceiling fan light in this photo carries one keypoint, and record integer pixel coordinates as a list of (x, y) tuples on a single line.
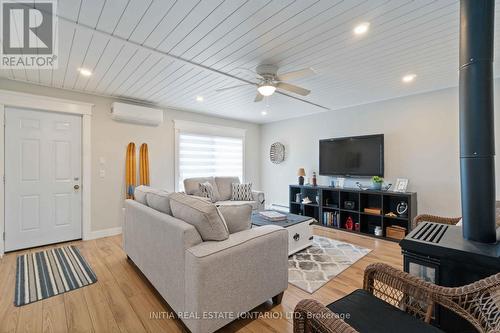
[(266, 89)]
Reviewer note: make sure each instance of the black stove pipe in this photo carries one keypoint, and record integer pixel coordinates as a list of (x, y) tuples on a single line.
[(477, 134)]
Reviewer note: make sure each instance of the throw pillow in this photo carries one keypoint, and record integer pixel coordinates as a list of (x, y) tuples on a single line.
[(241, 192), (201, 214), (237, 217), (159, 200), (207, 191), (192, 187), (140, 193)]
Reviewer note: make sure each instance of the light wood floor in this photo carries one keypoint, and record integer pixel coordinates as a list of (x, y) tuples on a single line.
[(122, 299)]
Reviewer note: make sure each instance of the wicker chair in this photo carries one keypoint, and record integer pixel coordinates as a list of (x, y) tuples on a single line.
[(434, 218), (478, 302)]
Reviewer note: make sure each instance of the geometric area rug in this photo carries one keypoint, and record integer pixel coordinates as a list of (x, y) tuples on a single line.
[(52, 272), (313, 267)]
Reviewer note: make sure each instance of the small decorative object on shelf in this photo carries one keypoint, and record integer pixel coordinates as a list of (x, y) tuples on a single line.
[(402, 208), (339, 182), (374, 211), (357, 226), (395, 231), (386, 187), (301, 173), (378, 231), (298, 197), (391, 214), (317, 199), (377, 182), (401, 185), (277, 153), (314, 180), (306, 200), (349, 204), (361, 187), (349, 223)]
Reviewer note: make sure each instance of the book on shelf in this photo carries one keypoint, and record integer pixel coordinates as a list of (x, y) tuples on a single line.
[(331, 219), (272, 215)]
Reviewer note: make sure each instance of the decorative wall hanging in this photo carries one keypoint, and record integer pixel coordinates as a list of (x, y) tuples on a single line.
[(277, 153)]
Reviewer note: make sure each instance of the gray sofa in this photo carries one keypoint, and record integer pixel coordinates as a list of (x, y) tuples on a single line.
[(199, 278), (222, 189)]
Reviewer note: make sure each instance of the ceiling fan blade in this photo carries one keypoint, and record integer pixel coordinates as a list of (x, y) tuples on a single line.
[(258, 97), (296, 74), (233, 87), (293, 88), (303, 100)]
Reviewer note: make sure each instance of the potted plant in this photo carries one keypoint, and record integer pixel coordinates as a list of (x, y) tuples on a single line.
[(377, 182)]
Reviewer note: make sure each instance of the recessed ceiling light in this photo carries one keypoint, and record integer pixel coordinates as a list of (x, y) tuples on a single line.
[(199, 98), (85, 71), (362, 28), (264, 113), (409, 78)]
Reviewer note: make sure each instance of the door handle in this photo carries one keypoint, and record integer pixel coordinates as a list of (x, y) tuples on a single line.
[(76, 187)]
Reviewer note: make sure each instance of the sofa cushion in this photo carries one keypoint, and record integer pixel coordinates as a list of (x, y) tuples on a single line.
[(159, 200), (252, 203), (237, 217), (224, 185), (241, 191), (368, 313), (207, 191), (200, 213), (140, 193), (192, 186)]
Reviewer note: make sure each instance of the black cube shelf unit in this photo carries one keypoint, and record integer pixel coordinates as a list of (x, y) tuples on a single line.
[(326, 199)]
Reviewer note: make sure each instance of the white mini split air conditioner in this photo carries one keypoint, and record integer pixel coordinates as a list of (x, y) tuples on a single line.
[(136, 114)]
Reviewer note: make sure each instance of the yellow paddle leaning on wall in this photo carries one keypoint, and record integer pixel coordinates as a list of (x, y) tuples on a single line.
[(130, 171), (144, 165)]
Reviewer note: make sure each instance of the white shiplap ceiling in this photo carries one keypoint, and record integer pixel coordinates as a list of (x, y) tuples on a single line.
[(168, 52)]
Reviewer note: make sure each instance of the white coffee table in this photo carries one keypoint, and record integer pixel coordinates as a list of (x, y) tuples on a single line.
[(299, 229)]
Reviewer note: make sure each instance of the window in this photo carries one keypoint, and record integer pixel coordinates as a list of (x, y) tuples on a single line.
[(207, 151)]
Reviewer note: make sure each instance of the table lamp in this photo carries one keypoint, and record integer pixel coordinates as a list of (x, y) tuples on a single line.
[(301, 173)]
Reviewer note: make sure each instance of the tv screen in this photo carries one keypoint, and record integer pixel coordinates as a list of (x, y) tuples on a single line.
[(352, 156)]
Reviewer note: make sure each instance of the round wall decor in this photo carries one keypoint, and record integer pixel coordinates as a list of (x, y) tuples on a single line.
[(277, 153)]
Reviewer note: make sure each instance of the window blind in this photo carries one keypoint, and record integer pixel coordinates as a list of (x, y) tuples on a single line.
[(201, 155)]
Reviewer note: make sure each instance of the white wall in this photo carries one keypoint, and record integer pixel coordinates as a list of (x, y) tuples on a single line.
[(110, 139), (421, 144)]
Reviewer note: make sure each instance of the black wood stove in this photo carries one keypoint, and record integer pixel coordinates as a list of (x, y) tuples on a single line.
[(453, 256), (439, 254)]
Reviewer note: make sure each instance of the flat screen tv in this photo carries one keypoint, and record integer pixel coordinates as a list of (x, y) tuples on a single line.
[(352, 156)]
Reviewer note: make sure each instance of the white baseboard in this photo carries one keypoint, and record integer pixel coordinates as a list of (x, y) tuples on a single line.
[(104, 233)]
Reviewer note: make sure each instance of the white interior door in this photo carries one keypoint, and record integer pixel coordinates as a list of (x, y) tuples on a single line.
[(42, 178)]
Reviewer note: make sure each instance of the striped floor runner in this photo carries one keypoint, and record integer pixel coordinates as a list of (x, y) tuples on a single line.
[(48, 273)]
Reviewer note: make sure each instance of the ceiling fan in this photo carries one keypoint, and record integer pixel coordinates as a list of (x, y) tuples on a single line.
[(270, 80)]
